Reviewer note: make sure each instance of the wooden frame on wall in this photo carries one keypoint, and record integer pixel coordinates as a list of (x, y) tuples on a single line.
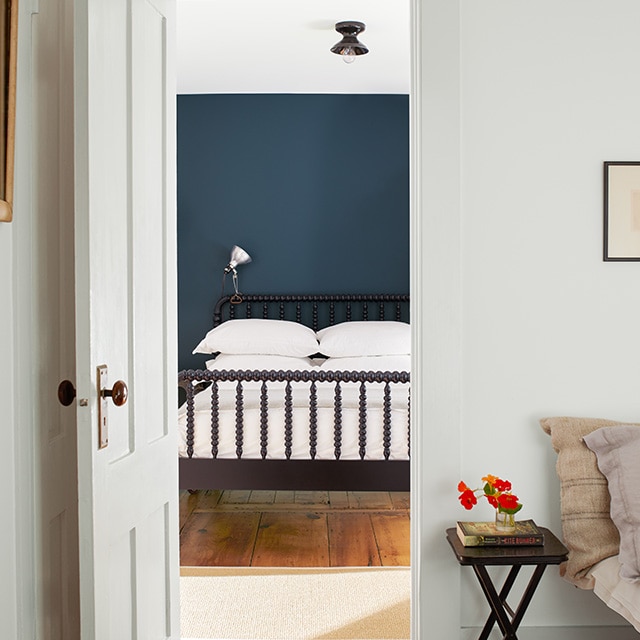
[(621, 212), (8, 55)]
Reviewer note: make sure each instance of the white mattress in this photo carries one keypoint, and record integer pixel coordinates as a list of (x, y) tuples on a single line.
[(620, 595), (300, 441)]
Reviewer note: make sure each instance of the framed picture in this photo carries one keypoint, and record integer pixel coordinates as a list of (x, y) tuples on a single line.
[(8, 54), (621, 211)]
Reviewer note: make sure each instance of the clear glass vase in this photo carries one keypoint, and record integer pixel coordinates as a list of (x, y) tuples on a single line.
[(505, 522)]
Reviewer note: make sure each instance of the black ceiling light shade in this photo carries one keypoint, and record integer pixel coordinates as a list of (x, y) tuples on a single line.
[(349, 47)]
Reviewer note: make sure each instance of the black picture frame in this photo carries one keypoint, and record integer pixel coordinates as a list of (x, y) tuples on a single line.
[(621, 211)]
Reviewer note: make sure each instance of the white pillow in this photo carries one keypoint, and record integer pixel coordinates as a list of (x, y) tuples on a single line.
[(365, 338), (228, 362), (618, 452), (368, 363), (260, 336)]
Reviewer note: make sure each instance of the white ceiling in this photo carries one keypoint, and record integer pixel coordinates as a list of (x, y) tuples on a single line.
[(282, 46)]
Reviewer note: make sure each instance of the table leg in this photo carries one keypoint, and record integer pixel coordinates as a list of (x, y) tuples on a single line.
[(498, 612), (504, 592), (497, 602)]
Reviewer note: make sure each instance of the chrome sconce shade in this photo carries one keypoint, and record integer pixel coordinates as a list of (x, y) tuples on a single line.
[(238, 256), (349, 47)]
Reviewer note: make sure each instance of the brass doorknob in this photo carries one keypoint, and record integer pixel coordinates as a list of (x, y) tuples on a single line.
[(66, 393), (119, 393)]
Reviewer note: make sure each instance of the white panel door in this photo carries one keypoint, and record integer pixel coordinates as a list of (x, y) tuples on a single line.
[(125, 317)]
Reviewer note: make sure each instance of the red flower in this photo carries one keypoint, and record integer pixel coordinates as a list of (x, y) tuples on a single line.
[(468, 499), (502, 485), (497, 492), (508, 501)]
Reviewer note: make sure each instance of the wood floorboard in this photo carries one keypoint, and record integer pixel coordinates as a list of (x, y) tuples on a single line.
[(352, 541), (291, 540), (392, 536), (294, 528), (219, 539)]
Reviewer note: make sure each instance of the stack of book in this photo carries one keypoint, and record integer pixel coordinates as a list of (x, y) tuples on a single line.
[(485, 534)]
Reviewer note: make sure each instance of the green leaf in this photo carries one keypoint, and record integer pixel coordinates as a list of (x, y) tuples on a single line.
[(489, 490)]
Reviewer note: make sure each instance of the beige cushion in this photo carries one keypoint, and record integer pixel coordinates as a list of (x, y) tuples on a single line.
[(618, 453), (587, 528)]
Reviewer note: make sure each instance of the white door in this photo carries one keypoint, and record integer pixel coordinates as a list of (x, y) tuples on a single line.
[(125, 315)]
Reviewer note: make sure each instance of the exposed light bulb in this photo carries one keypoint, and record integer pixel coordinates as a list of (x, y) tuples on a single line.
[(348, 55)]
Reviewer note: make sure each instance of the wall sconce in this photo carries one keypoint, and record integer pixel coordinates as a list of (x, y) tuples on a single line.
[(349, 47), (238, 256)]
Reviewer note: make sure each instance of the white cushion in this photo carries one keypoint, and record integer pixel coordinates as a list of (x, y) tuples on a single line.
[(260, 336), (365, 338)]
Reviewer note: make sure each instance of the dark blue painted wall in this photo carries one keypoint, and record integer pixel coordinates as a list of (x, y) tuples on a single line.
[(314, 187)]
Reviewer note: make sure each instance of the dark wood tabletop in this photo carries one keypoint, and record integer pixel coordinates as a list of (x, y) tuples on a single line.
[(551, 552)]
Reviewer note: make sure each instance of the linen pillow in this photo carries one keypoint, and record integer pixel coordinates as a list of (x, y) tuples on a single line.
[(368, 363), (365, 338), (251, 362), (260, 336), (618, 453), (587, 528)]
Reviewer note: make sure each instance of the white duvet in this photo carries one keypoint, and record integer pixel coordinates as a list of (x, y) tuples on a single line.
[(300, 444), (620, 595)]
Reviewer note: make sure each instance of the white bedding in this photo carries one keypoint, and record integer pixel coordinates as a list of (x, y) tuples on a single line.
[(300, 441), (620, 595)]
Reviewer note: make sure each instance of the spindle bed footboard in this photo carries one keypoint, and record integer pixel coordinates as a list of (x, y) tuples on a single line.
[(311, 429)]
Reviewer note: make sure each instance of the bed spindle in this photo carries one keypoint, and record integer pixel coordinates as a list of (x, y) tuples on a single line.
[(298, 312), (337, 421), (381, 310), (398, 312), (264, 420), (239, 419), (190, 418), (386, 422), (288, 420), (313, 420), (215, 419), (314, 316), (362, 420), (348, 312), (365, 310)]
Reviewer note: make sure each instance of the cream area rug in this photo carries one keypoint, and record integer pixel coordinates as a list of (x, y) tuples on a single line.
[(254, 603)]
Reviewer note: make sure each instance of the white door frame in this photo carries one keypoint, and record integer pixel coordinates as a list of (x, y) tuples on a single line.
[(435, 314)]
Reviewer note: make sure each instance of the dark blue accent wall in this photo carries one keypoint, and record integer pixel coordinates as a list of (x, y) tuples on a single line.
[(314, 187)]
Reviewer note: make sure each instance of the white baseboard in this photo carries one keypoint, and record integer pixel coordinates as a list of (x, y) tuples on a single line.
[(560, 633)]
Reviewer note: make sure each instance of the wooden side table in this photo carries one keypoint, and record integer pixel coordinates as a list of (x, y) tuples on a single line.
[(552, 552)]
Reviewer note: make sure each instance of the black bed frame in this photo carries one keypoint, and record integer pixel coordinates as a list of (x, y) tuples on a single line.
[(315, 311)]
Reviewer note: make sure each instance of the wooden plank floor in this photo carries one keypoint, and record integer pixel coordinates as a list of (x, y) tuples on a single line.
[(294, 528)]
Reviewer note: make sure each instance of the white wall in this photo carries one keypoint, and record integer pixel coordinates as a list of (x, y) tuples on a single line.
[(549, 90), (17, 374)]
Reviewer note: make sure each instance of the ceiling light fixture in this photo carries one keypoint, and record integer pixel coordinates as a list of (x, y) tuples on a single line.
[(349, 47)]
